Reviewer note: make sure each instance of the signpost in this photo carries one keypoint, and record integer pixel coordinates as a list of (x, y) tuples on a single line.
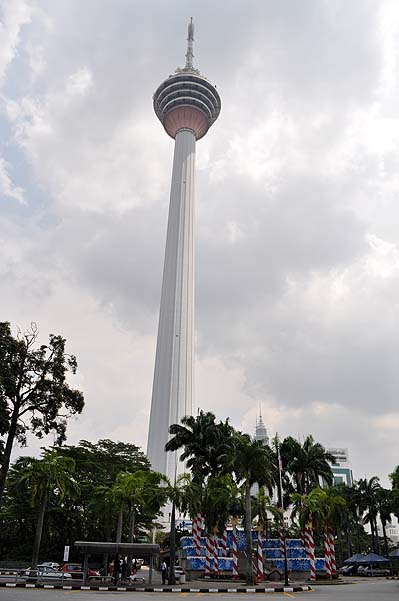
[(66, 552)]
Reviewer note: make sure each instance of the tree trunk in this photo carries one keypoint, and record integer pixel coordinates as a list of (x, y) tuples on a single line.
[(172, 577), (119, 526), (132, 525), (377, 538), (248, 533), (5, 465), (372, 535), (340, 549), (349, 541), (384, 533), (38, 533)]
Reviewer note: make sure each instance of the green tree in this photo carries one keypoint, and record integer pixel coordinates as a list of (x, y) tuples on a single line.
[(34, 394), (368, 506), (207, 445), (385, 505), (394, 477), (310, 508), (253, 463), (52, 476), (139, 493), (307, 463), (184, 496)]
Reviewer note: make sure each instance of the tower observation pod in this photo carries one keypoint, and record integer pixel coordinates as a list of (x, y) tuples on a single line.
[(186, 104)]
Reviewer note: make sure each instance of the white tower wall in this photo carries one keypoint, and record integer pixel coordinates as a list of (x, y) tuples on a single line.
[(172, 395)]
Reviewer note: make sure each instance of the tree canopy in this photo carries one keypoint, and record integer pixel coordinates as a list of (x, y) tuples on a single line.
[(34, 393)]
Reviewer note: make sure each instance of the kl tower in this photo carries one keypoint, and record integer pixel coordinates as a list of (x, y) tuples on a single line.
[(186, 104)]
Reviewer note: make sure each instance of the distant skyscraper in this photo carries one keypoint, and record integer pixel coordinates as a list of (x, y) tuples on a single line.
[(260, 430), (342, 469), (187, 104)]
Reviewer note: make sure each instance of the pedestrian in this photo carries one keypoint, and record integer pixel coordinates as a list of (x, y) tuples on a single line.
[(164, 572), (123, 569), (117, 570)]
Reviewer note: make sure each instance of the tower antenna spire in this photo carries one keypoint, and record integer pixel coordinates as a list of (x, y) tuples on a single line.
[(190, 42)]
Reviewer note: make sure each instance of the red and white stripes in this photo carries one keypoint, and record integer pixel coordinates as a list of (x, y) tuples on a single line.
[(208, 555), (332, 552), (197, 527), (234, 553), (309, 542), (282, 539), (216, 554), (327, 554), (259, 556), (224, 542)]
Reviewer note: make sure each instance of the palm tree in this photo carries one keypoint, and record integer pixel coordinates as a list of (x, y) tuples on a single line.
[(140, 491), (307, 463), (309, 508), (51, 477), (252, 464), (207, 445), (368, 506), (384, 501), (183, 497), (219, 493), (394, 477)]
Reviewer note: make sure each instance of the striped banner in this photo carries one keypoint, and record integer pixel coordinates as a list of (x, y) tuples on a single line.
[(309, 541), (259, 555), (332, 552), (282, 539), (208, 555), (234, 553), (197, 533), (216, 554), (224, 542), (327, 554)]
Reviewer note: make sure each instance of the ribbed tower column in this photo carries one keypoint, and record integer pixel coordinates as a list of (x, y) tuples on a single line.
[(187, 104), (172, 395)]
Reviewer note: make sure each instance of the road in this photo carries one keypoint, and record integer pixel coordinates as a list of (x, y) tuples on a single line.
[(362, 590)]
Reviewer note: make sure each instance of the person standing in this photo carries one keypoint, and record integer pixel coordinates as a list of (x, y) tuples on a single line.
[(164, 571), (123, 570)]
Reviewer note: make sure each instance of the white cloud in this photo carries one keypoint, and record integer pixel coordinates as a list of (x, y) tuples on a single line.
[(6, 185), (297, 240), (14, 14)]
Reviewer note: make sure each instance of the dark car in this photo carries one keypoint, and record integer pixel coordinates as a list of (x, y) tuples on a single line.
[(349, 570)]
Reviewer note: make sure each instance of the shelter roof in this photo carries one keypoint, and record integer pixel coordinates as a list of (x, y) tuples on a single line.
[(141, 550)]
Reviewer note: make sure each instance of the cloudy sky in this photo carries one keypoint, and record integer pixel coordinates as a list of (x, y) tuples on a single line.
[(297, 239)]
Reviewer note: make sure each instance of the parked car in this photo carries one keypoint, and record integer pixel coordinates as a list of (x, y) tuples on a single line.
[(349, 570), (44, 572), (370, 571), (76, 570), (51, 564)]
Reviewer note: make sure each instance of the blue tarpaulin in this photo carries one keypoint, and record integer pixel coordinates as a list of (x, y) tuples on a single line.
[(357, 558), (374, 558)]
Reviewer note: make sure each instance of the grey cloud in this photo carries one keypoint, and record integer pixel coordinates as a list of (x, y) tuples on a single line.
[(288, 305)]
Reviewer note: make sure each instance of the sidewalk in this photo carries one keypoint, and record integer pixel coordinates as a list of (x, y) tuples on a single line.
[(196, 586)]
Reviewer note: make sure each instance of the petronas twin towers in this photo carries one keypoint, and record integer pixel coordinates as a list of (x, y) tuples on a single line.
[(187, 104)]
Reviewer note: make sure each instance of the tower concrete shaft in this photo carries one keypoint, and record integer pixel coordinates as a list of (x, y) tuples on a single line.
[(172, 395), (187, 104)]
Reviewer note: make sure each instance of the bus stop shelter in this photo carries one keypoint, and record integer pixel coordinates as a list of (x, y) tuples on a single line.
[(145, 551)]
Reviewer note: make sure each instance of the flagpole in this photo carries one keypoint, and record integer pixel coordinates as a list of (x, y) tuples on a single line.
[(280, 470)]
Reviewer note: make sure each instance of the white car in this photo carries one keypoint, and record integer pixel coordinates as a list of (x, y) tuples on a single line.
[(51, 564), (44, 572)]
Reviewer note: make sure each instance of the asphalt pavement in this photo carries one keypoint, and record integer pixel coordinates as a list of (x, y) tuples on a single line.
[(361, 590)]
